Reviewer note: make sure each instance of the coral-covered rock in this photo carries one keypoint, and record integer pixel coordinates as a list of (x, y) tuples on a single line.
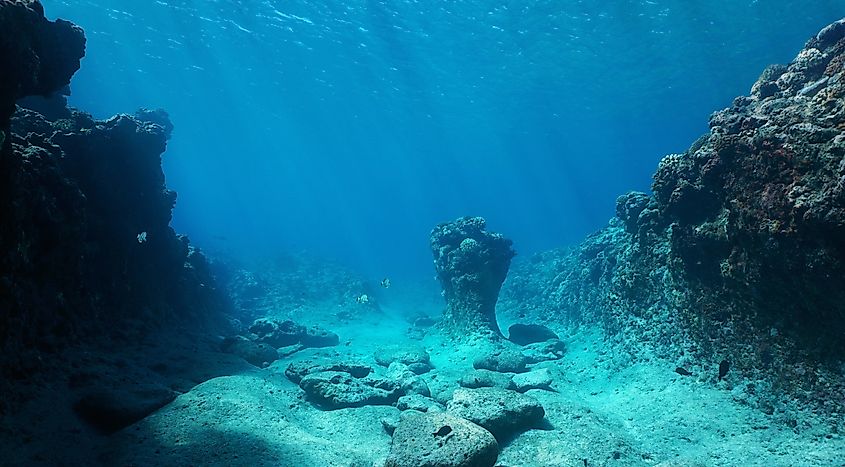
[(471, 265)]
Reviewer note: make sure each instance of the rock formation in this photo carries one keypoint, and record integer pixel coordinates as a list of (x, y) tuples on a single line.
[(739, 255), (86, 250), (471, 265)]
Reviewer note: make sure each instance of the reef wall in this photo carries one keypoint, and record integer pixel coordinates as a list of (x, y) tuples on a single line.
[(736, 259), (86, 250)]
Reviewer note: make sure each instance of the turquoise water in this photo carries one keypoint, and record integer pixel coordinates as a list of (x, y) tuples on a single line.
[(350, 129)]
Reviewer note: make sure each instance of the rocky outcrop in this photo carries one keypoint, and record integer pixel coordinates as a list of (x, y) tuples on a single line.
[(37, 56), (733, 266), (471, 265), (86, 250)]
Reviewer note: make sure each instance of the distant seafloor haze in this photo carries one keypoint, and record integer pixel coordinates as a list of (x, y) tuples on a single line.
[(350, 129)]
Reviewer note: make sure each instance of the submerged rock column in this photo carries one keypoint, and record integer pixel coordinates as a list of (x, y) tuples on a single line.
[(471, 265)]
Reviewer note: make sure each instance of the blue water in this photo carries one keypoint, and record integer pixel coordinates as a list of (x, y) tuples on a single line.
[(349, 129)]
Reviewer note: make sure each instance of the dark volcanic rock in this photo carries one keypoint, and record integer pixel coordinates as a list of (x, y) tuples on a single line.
[(471, 264), (441, 440), (524, 334)]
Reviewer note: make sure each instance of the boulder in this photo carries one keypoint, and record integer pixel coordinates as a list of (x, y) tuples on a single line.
[(330, 390), (438, 439), (503, 361), (486, 379), (284, 333), (534, 379), (256, 354), (407, 380), (298, 370), (504, 413), (417, 359)]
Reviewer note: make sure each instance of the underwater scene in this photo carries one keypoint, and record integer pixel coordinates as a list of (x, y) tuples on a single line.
[(456, 233)]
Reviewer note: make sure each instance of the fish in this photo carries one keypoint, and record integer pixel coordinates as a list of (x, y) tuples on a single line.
[(385, 283), (682, 371), (142, 237), (724, 366)]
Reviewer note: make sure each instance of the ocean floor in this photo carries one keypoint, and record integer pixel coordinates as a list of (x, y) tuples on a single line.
[(600, 410)]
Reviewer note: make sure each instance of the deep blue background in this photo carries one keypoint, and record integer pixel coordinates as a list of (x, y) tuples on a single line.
[(350, 128)]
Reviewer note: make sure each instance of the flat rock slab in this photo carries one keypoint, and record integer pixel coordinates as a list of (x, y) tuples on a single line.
[(247, 420), (441, 440), (504, 413)]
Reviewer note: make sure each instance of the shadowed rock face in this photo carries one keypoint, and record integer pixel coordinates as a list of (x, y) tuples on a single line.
[(471, 265), (37, 56), (86, 249)]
